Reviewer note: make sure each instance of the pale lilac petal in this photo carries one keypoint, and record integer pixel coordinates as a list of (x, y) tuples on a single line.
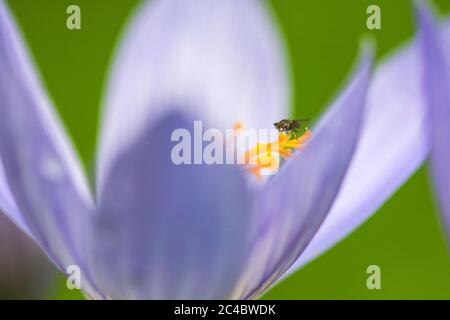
[(42, 172), (220, 60), (393, 144), (293, 205), (435, 46), (8, 204), (166, 230)]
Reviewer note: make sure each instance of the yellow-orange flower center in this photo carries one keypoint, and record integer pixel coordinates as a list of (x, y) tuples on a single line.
[(264, 157)]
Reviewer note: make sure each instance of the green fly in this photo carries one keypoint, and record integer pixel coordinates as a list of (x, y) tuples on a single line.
[(290, 127)]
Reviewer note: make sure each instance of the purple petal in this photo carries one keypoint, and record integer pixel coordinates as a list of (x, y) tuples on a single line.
[(393, 144), (293, 205), (435, 46), (166, 230), (8, 203), (219, 60), (42, 171)]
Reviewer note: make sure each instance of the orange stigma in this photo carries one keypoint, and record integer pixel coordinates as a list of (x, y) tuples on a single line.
[(264, 158)]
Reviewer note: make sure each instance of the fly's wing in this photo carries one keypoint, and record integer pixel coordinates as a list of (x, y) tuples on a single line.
[(299, 122), (296, 123)]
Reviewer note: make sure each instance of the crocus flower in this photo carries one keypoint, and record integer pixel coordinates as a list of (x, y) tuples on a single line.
[(435, 53), (158, 230)]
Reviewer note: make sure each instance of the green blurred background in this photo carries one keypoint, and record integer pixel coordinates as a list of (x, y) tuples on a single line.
[(404, 237)]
